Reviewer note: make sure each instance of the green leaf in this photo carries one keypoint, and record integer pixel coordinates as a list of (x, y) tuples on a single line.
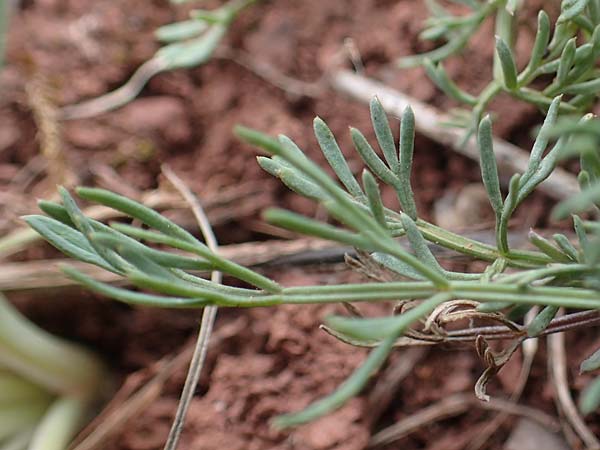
[(571, 8), (56, 211), (434, 33), (578, 203), (374, 329), (210, 17), (590, 161), (594, 11), (296, 222), (566, 246), (131, 297), (584, 244), (384, 135), (68, 240), (591, 363), (566, 61), (192, 53), (591, 87), (546, 246), (418, 244), (407, 146), (163, 258), (541, 141), (543, 171), (395, 265), (489, 170), (178, 287), (139, 262), (583, 179), (113, 239), (290, 176), (136, 210), (589, 401), (541, 321), (583, 62), (335, 158), (371, 159), (374, 198), (563, 31), (491, 307), (312, 171), (179, 31), (507, 62), (84, 225), (291, 146), (200, 249)]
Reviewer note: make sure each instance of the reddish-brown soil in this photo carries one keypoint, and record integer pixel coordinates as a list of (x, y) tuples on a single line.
[(277, 360)]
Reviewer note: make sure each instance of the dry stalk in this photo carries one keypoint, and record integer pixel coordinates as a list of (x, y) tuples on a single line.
[(46, 116), (558, 370), (209, 314), (453, 406)]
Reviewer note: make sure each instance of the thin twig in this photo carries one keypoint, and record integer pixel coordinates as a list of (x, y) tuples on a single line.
[(208, 315), (558, 369), (453, 406), (117, 413), (130, 401), (579, 320)]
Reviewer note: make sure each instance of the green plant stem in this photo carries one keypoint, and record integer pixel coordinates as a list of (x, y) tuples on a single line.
[(478, 250), (533, 275), (485, 97), (576, 298), (202, 250), (404, 290)]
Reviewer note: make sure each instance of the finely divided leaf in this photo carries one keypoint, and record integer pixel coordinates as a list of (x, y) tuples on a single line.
[(489, 170), (68, 240), (591, 363), (384, 134), (334, 156)]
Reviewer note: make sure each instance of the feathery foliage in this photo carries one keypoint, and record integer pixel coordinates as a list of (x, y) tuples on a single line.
[(558, 274), (565, 53)]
